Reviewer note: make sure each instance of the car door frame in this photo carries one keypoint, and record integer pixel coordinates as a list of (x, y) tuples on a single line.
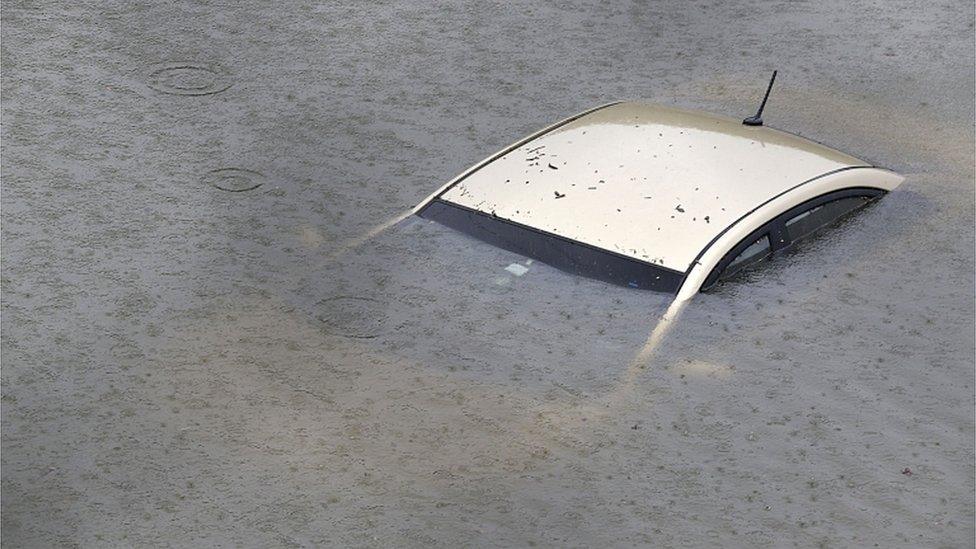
[(780, 239)]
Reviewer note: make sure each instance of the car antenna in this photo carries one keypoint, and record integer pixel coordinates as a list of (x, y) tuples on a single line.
[(757, 119)]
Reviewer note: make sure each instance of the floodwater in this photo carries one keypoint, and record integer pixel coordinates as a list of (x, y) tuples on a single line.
[(216, 332)]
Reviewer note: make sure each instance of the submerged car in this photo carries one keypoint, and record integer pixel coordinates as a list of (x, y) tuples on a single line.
[(655, 197)]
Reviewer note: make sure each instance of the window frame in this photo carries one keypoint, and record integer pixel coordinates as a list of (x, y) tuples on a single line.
[(779, 236), (742, 247)]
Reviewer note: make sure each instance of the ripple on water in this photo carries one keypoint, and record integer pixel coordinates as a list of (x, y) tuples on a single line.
[(352, 316), (187, 78), (234, 180)]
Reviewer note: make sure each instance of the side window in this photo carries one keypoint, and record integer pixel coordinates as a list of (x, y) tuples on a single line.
[(754, 253), (814, 219), (784, 231)]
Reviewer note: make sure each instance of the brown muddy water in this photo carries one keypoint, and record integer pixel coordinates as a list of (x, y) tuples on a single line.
[(201, 348)]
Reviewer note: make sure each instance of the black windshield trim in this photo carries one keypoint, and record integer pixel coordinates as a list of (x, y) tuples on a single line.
[(552, 249)]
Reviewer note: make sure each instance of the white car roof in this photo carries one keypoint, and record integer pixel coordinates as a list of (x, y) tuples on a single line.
[(652, 183)]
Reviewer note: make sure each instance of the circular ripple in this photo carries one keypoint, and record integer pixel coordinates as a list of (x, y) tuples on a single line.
[(187, 79), (352, 316), (234, 180)]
